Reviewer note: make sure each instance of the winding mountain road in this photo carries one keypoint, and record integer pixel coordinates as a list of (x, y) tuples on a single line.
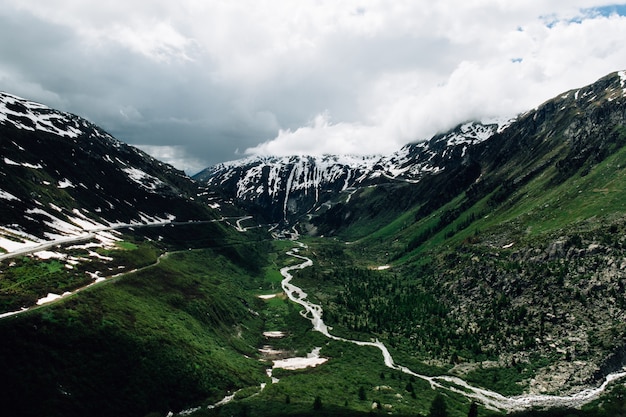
[(489, 399), (91, 235)]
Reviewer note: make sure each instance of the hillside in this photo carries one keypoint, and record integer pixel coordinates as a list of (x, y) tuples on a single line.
[(518, 253), (62, 176), (505, 265), (122, 287)]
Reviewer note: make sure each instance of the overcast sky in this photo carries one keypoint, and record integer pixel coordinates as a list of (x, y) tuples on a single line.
[(197, 82)]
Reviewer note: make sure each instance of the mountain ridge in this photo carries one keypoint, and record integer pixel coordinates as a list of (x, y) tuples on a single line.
[(64, 176), (301, 184), (263, 183)]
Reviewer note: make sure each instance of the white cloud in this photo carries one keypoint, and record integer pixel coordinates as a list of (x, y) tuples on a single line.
[(523, 67), (320, 136), (174, 155)]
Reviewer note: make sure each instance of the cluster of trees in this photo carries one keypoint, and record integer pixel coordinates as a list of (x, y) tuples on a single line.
[(400, 309), (438, 407)]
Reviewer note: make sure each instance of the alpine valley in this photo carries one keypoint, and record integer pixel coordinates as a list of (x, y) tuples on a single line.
[(480, 272)]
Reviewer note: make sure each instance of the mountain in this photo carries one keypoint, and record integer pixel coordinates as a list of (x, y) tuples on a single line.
[(500, 257), (63, 176), (285, 188), (121, 282), (517, 254), (561, 138)]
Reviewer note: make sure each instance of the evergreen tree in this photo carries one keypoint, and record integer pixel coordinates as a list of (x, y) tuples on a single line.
[(362, 396), (473, 410), (438, 407), (317, 404)]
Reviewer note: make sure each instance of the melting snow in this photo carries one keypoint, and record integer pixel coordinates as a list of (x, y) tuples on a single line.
[(56, 223), (107, 238), (622, 80), (96, 276), (12, 240), (98, 256), (65, 183), (45, 255), (28, 115), (51, 297), (22, 164), (8, 196), (12, 313), (312, 359), (274, 334), (267, 296), (145, 180), (84, 222)]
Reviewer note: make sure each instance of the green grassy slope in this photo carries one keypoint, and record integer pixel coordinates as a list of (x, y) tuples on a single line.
[(170, 336)]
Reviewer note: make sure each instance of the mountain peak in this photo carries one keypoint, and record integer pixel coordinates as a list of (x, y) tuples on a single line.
[(289, 186), (32, 116)]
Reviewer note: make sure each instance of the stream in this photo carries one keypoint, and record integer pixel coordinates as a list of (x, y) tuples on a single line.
[(489, 399)]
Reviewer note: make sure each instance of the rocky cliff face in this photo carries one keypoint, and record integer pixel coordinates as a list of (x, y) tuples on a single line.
[(286, 188)]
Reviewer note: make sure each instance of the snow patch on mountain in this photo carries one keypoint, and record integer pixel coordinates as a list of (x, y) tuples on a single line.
[(23, 164), (29, 115), (8, 196), (65, 183), (145, 180), (301, 183)]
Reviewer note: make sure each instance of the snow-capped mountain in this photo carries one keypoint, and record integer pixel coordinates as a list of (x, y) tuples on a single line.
[(283, 188), (61, 177), (288, 186)]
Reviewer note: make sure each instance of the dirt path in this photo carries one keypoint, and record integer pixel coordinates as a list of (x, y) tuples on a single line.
[(91, 235), (103, 280)]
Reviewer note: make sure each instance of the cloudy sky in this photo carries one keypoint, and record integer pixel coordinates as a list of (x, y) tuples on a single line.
[(197, 82)]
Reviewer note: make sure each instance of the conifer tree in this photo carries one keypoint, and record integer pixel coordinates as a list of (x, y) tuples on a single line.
[(317, 404), (473, 410), (438, 407), (362, 396)]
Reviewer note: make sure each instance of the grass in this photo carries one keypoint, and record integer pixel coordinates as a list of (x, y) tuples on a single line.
[(171, 336), (26, 279), (186, 332), (126, 245), (352, 381), (543, 208)]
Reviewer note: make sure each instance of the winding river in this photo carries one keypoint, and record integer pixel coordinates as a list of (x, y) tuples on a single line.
[(489, 399)]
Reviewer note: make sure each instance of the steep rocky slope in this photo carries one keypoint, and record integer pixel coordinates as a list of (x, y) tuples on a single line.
[(285, 188), (62, 176)]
